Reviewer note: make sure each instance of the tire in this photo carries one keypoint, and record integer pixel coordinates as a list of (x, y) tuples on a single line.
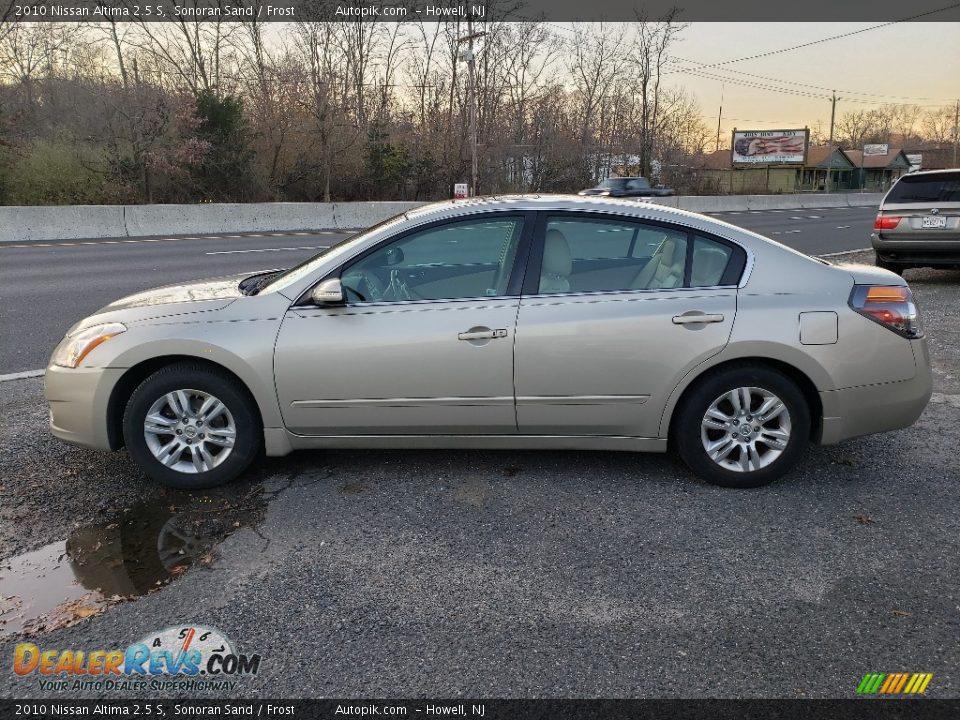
[(892, 267), (772, 455), (197, 455)]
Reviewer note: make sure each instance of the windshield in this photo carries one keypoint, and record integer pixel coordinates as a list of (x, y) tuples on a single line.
[(298, 272)]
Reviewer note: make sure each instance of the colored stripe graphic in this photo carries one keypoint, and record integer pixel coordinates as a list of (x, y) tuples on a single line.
[(894, 683)]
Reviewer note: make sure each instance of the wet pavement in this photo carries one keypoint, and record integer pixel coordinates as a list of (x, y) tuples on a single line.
[(403, 573), (130, 554)]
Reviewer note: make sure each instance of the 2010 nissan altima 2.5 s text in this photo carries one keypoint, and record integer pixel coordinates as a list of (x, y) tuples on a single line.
[(515, 322)]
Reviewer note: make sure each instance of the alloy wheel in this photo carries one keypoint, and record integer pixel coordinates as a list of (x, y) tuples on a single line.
[(745, 429), (189, 431)]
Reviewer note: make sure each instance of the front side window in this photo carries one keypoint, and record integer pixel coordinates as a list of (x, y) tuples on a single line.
[(583, 254), (463, 259)]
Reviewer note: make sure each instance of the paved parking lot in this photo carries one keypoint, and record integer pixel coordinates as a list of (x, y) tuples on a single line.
[(514, 574)]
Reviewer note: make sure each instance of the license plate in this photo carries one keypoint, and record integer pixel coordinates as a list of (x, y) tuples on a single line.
[(933, 221)]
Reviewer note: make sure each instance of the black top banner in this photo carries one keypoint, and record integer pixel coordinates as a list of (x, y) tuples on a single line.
[(740, 11)]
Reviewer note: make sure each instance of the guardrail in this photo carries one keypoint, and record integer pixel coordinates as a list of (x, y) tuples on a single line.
[(72, 222)]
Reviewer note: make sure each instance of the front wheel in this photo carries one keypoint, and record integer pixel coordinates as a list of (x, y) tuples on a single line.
[(191, 427), (743, 427)]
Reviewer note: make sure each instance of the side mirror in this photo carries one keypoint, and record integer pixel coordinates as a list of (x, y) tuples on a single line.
[(328, 292)]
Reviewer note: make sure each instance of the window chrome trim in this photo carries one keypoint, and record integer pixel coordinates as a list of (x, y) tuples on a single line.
[(630, 291)]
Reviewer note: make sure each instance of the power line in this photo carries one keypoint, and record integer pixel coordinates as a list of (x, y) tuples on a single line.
[(802, 84), (832, 37)]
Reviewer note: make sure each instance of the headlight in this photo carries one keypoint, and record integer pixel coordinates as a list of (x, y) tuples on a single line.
[(74, 348)]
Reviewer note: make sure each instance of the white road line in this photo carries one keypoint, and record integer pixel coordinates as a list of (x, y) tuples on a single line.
[(845, 252), (21, 375), (790, 232), (797, 217), (842, 227), (260, 250), (814, 217)]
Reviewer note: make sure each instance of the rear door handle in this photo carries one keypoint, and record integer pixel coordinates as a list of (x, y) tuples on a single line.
[(482, 334), (695, 317)]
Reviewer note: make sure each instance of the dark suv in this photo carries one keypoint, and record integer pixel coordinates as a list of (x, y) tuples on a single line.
[(919, 222), (628, 187)]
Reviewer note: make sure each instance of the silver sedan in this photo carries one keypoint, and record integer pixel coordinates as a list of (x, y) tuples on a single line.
[(525, 322)]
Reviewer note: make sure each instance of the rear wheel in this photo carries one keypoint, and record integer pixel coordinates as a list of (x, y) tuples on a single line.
[(892, 267), (191, 427), (742, 427)]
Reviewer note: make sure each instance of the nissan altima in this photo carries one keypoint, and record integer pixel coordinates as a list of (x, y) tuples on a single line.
[(547, 322)]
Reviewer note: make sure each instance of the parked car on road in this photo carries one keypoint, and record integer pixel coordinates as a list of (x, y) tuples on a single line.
[(918, 224), (555, 322), (628, 187)]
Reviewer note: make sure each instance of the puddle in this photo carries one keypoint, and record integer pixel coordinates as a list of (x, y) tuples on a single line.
[(133, 553)]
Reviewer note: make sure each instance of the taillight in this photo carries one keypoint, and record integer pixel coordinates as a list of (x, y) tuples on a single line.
[(886, 222), (890, 305)]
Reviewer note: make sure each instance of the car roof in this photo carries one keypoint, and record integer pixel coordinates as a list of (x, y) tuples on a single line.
[(931, 172), (586, 203)]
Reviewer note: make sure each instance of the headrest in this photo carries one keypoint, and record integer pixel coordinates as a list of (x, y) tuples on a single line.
[(667, 251), (708, 266), (556, 254)]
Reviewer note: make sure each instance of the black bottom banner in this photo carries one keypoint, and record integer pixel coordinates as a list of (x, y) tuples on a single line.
[(853, 709)]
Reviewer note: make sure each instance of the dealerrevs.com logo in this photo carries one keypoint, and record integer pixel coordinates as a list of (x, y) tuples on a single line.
[(192, 658)]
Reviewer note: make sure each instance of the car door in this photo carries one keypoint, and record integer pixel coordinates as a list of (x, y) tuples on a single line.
[(423, 343), (615, 315)]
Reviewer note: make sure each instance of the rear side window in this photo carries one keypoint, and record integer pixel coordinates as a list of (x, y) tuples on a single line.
[(608, 254), (943, 187)]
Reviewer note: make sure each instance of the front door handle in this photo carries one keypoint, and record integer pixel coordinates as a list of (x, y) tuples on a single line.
[(694, 317), (482, 334)]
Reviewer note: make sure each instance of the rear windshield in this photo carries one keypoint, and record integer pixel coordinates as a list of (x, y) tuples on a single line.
[(943, 187), (613, 183)]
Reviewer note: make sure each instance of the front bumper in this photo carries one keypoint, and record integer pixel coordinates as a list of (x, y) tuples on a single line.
[(869, 409), (78, 400)]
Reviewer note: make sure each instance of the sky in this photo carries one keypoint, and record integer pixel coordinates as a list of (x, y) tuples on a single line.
[(916, 63)]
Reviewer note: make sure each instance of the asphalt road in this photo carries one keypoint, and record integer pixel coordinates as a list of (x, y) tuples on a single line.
[(46, 287), (526, 574)]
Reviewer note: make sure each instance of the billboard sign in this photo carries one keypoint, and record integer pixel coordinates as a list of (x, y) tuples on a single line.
[(460, 191), (876, 149), (770, 147)]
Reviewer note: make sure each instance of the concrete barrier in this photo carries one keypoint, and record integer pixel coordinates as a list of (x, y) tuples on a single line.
[(72, 222), (64, 222)]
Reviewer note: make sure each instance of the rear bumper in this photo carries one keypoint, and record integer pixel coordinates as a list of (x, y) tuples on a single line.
[(926, 251), (869, 409), (78, 400)]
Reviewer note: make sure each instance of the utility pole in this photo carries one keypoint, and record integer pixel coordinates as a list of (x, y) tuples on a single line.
[(472, 100), (833, 114), (956, 131), (721, 116)]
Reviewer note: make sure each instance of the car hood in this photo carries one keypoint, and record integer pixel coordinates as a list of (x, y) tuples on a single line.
[(177, 299)]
